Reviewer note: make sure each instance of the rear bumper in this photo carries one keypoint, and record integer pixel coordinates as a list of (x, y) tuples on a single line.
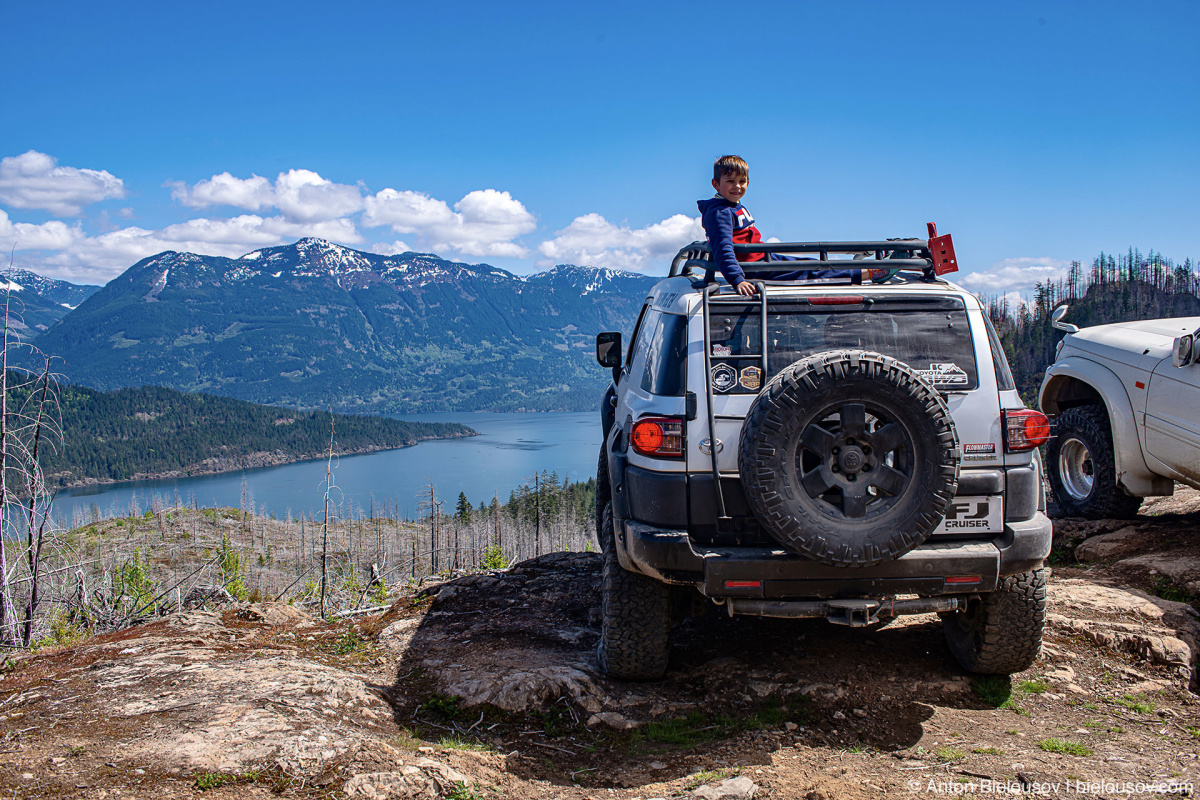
[(765, 572)]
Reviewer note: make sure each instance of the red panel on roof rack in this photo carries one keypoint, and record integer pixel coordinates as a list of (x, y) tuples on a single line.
[(941, 249)]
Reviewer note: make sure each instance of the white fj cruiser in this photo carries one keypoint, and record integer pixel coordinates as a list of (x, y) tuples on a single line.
[(828, 448), (1127, 403)]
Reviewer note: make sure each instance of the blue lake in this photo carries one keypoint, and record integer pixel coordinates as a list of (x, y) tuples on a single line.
[(510, 449)]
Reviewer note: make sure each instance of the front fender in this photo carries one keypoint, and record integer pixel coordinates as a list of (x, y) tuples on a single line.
[(1063, 379)]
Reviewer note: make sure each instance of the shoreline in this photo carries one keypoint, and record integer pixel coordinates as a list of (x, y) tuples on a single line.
[(258, 460)]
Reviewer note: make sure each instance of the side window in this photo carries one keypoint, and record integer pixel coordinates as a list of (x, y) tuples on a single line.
[(642, 333), (1004, 377), (666, 357), (637, 331)]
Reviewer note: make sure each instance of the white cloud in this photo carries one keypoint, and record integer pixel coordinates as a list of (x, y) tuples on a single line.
[(52, 235), (483, 223), (98, 259), (251, 194), (34, 180), (385, 249), (1015, 274), (305, 196), (594, 241), (301, 195)]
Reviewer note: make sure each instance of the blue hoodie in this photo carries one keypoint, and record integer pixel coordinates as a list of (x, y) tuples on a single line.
[(726, 223)]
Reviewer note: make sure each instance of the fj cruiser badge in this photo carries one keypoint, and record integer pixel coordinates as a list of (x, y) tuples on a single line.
[(944, 375), (751, 377), (723, 377)]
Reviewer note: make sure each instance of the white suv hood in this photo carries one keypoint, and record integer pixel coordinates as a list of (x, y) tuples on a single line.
[(1139, 344)]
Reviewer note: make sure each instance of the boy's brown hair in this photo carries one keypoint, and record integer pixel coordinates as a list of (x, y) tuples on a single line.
[(730, 165)]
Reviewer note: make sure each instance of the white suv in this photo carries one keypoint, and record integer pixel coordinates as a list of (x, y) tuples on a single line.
[(827, 448), (1127, 400)]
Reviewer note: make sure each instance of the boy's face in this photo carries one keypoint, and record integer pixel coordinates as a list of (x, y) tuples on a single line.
[(732, 187)]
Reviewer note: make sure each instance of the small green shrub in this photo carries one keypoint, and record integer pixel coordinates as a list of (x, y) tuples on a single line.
[(63, 633), (379, 592), (462, 791), (493, 558), (987, 751), (1034, 687), (443, 705), (349, 642), (950, 754), (229, 569)]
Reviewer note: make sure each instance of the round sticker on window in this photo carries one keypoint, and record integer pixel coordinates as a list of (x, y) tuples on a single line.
[(723, 377)]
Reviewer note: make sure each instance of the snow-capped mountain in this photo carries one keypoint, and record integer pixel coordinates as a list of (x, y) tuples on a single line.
[(36, 302), (316, 324)]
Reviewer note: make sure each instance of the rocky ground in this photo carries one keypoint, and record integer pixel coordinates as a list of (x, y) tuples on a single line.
[(485, 686)]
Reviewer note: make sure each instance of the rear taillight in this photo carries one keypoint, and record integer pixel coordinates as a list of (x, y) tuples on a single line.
[(661, 437), (1024, 429)]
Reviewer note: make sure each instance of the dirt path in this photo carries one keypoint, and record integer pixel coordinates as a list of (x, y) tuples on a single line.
[(486, 687)]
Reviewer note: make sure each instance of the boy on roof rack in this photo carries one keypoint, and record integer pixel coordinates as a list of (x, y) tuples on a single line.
[(727, 221)]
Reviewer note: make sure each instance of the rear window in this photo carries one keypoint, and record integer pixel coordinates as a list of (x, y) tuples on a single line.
[(931, 335)]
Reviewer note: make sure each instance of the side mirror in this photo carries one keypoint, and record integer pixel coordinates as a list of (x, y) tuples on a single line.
[(1056, 320), (1183, 350), (608, 349)]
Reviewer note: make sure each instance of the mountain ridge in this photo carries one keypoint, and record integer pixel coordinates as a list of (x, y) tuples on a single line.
[(318, 325)]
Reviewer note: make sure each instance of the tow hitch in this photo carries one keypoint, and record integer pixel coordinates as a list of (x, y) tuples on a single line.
[(854, 612)]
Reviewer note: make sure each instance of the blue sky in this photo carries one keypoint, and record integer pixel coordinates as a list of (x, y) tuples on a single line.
[(527, 134)]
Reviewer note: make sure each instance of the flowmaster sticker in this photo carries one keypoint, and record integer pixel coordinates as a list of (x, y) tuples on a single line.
[(944, 375), (751, 378), (986, 447), (721, 350), (723, 377), (973, 514)]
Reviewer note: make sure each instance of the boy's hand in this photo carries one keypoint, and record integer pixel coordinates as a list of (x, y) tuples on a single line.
[(746, 289)]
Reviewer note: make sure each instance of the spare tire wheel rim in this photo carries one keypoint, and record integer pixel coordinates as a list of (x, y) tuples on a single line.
[(849, 458)]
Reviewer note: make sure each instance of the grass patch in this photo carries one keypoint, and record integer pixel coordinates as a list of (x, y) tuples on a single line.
[(215, 780), (987, 751), (1135, 703), (1167, 590), (698, 779), (1055, 745), (456, 742), (1033, 687), (950, 754), (1195, 732), (696, 728), (994, 690), (997, 691), (447, 706), (1012, 732), (348, 643), (1063, 555)]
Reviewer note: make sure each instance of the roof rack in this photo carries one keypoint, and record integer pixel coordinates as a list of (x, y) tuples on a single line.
[(931, 257)]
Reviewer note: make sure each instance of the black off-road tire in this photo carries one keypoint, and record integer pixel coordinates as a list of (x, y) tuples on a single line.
[(1001, 633), (1082, 451), (831, 485), (603, 496), (635, 620)]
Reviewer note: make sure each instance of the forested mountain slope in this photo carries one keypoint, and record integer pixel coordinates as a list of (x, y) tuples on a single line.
[(1115, 289), (133, 433)]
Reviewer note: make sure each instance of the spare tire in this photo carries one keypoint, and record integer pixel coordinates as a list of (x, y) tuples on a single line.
[(849, 458)]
